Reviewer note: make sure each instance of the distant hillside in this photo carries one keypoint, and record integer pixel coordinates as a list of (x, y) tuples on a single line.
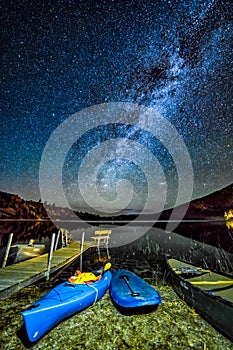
[(14, 207), (215, 203), (211, 206)]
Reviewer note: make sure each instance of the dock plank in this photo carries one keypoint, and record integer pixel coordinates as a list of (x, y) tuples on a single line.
[(22, 274)]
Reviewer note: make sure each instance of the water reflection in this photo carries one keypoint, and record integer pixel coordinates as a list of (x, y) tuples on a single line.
[(215, 233), (189, 236), (218, 234), (26, 230)]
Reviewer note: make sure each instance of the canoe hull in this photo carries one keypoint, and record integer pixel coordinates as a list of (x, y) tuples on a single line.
[(144, 296), (213, 307), (61, 302)]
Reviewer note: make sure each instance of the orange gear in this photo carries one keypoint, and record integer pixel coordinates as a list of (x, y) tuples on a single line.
[(83, 277)]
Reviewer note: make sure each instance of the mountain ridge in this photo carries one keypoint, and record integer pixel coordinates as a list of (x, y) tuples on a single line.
[(12, 206)]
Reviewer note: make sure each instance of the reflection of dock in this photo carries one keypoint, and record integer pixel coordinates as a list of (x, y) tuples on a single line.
[(18, 276)]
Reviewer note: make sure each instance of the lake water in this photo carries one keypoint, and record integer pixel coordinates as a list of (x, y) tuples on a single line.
[(208, 243)]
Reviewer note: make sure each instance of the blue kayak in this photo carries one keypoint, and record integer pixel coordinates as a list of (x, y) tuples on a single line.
[(130, 292), (61, 302)]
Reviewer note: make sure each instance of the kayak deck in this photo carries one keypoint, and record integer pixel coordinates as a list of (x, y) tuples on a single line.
[(61, 302), (129, 291)]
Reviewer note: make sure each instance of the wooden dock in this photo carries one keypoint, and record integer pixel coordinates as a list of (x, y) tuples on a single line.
[(22, 274)]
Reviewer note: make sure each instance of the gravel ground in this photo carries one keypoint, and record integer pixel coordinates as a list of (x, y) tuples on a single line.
[(101, 327)]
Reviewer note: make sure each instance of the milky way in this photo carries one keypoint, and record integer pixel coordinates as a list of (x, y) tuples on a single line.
[(173, 56)]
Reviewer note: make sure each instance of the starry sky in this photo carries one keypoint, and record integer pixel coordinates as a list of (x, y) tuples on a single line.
[(60, 58)]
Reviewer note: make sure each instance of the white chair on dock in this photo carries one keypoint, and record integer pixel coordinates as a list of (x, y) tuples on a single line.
[(101, 238)]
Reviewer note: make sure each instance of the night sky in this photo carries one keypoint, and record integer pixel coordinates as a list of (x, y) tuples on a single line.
[(168, 62)]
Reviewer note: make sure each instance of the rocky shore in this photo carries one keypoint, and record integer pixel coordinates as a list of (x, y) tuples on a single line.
[(101, 327)]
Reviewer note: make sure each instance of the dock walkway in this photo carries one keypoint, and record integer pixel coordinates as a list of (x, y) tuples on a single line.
[(20, 275)]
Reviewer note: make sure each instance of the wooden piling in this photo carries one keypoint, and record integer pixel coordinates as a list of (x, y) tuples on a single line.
[(47, 273), (7, 249), (81, 251), (57, 239)]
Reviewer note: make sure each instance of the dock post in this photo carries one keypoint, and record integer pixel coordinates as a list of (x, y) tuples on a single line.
[(57, 239), (62, 238), (47, 273), (81, 251), (7, 249), (66, 237)]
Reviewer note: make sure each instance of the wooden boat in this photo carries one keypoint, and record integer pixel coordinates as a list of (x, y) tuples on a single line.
[(61, 302), (28, 251), (132, 294), (31, 251), (210, 293)]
